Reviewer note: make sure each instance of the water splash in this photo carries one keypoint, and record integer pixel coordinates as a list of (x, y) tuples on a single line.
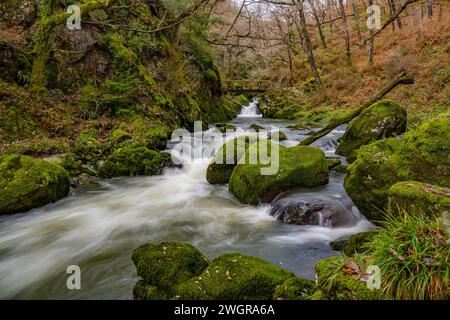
[(251, 110)]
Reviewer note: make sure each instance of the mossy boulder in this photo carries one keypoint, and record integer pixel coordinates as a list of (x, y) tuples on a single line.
[(133, 161), (333, 162), (342, 278), (383, 119), (166, 265), (221, 167), (298, 166), (421, 155), (295, 289), (27, 183), (419, 198), (118, 136), (234, 276)]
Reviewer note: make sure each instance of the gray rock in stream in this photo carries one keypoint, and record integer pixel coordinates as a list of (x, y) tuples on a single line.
[(312, 212)]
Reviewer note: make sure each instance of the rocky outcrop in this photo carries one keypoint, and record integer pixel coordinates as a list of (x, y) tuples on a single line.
[(421, 155)]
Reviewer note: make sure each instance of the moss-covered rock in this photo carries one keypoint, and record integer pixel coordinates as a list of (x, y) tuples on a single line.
[(295, 289), (383, 119), (118, 136), (237, 277), (144, 291), (257, 127), (341, 278), (355, 244), (420, 155), (166, 265), (221, 167), (419, 198), (27, 183), (297, 167), (133, 161)]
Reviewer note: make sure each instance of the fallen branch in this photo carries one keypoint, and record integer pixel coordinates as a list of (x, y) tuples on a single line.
[(402, 79)]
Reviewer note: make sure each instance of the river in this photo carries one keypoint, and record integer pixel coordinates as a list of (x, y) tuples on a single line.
[(97, 227)]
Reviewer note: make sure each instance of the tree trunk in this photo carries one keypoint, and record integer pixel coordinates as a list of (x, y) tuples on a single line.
[(430, 8), (394, 9), (357, 20), (402, 79), (346, 35), (308, 44), (319, 25)]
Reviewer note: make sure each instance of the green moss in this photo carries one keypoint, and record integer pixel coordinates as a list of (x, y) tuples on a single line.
[(27, 183), (383, 119), (356, 243), (294, 289), (221, 167), (297, 167), (421, 155), (130, 160), (339, 285), (237, 277), (144, 291), (419, 198), (168, 264), (118, 136)]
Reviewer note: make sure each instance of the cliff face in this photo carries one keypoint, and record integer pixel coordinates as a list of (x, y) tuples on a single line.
[(130, 57)]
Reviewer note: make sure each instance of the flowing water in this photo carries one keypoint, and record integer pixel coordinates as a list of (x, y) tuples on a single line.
[(97, 228)]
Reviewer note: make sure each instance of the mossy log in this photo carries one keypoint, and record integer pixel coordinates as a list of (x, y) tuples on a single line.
[(402, 79)]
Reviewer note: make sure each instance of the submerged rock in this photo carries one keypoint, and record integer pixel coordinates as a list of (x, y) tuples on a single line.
[(234, 276), (383, 119), (421, 155), (166, 265), (27, 183), (419, 198), (314, 212), (297, 167)]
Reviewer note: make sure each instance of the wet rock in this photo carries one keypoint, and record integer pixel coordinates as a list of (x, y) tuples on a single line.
[(313, 212), (226, 128), (383, 119), (333, 162), (356, 243), (27, 183), (297, 167), (339, 244)]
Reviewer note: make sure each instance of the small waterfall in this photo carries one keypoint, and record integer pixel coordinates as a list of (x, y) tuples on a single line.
[(251, 110)]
